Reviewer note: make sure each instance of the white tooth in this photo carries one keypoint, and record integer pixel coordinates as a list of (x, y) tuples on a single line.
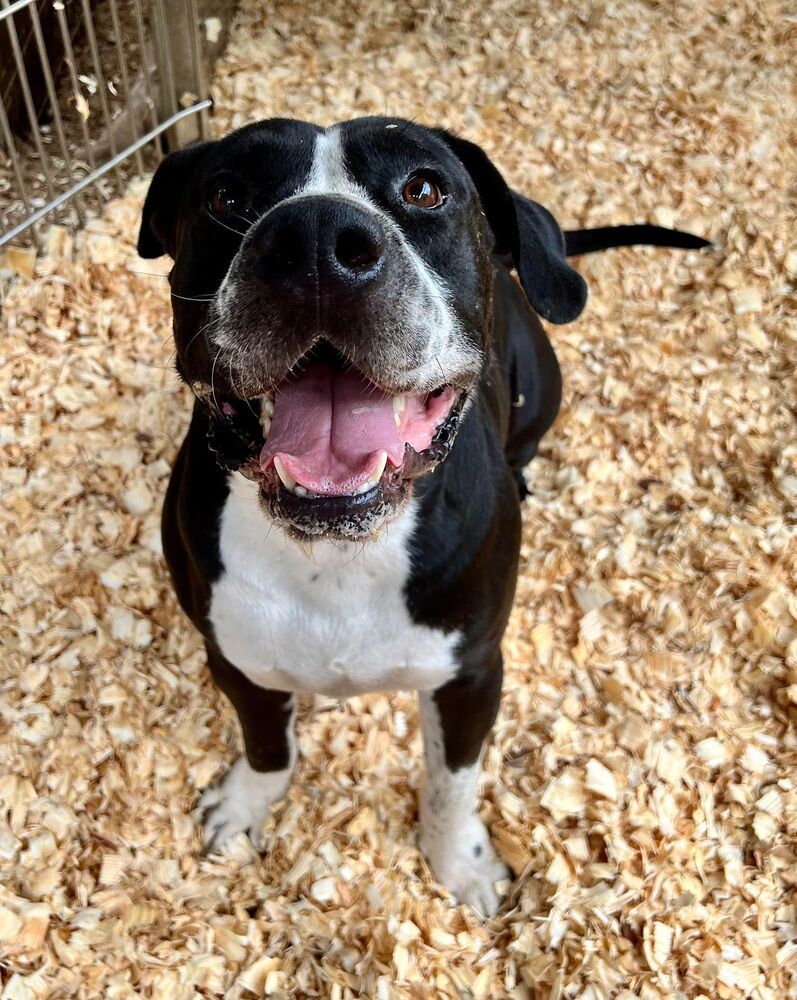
[(307, 548), (266, 413), (399, 402), (376, 475), (283, 473), (300, 491)]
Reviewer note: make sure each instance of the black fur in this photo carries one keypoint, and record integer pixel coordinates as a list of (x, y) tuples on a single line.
[(578, 241), (465, 548)]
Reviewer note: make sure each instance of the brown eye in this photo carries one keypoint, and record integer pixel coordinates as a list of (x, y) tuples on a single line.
[(226, 198), (422, 192)]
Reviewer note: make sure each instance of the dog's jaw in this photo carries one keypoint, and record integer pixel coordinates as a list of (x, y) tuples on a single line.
[(334, 455)]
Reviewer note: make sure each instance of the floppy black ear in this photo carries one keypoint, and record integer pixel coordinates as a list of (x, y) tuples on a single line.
[(158, 231), (530, 233)]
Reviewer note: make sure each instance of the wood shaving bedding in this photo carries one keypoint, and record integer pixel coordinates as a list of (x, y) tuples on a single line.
[(641, 778)]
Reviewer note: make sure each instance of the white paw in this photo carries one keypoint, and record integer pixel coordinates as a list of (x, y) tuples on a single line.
[(465, 862), (240, 803)]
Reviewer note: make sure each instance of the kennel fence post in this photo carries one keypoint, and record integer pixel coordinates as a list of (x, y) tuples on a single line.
[(181, 60)]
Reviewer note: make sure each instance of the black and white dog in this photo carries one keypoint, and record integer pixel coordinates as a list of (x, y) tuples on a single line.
[(344, 513)]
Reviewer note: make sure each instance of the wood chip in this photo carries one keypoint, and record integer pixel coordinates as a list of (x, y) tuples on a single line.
[(640, 779)]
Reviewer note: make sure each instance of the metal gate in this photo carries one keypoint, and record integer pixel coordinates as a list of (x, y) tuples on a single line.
[(90, 90)]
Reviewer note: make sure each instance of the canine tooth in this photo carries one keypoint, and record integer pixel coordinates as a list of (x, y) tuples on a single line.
[(282, 472), (307, 548), (376, 475), (300, 491), (266, 413)]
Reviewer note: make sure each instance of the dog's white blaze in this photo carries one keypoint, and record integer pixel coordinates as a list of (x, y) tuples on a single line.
[(328, 174), (334, 623), (452, 835)]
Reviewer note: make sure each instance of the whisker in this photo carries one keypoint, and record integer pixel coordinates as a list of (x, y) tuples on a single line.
[(175, 295), (192, 298), (222, 224), (410, 121), (229, 369), (199, 331), (232, 359), (239, 388), (212, 376), (246, 219)]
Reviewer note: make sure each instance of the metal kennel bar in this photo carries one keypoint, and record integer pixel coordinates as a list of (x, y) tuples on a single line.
[(92, 87), (95, 175)]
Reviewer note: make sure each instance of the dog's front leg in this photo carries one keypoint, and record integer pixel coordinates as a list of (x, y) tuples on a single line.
[(456, 720), (240, 803)]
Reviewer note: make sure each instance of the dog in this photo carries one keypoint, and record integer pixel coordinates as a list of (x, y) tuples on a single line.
[(370, 381)]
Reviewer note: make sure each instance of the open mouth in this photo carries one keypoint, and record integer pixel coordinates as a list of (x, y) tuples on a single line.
[(333, 452)]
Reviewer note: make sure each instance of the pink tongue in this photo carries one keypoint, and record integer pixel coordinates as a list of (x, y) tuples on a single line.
[(329, 429)]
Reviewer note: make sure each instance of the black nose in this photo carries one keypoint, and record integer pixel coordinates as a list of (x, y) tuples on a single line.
[(327, 242)]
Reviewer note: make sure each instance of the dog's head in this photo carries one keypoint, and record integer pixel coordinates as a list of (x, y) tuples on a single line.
[(332, 296)]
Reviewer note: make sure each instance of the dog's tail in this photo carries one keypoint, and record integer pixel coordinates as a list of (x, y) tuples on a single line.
[(578, 241)]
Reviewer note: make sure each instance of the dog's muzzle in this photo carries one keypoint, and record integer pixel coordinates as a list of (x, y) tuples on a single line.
[(338, 382)]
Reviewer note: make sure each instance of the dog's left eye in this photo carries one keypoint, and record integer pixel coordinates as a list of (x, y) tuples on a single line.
[(226, 198), (422, 192)]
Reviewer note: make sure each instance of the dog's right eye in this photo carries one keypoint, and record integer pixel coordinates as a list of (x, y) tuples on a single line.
[(226, 198)]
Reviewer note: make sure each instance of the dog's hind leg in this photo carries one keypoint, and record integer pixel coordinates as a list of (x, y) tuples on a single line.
[(456, 719), (241, 802)]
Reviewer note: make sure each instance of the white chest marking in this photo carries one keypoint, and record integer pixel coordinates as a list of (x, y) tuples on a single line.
[(335, 623)]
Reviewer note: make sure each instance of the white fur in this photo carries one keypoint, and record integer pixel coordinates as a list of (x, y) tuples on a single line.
[(453, 837), (334, 622), (241, 802), (328, 174)]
